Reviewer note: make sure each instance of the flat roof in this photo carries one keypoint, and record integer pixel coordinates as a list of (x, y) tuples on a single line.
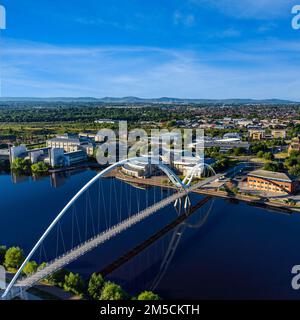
[(278, 176), (74, 153), (69, 140), (130, 167), (228, 140)]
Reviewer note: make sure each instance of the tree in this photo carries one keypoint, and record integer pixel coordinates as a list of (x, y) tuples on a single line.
[(58, 277), (269, 156), (20, 165), (14, 257), (273, 166), (290, 162), (239, 151), (42, 266), (74, 283), (294, 154), (260, 154), (221, 164), (39, 167), (171, 123), (2, 254), (148, 295), (30, 268), (295, 170), (112, 291), (95, 286), (258, 146)]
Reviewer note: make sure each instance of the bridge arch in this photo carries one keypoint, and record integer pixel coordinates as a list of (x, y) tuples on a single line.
[(171, 175)]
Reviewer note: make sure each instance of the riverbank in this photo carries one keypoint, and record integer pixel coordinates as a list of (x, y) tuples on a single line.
[(251, 200), (45, 291), (86, 165)]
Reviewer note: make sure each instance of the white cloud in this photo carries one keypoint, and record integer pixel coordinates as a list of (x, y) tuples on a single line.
[(252, 70)]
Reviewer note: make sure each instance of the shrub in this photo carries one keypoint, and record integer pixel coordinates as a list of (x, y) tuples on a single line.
[(13, 257)]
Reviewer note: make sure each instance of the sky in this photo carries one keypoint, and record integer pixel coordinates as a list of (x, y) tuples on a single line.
[(210, 49)]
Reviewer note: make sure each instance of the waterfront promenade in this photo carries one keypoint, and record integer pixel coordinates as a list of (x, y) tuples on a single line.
[(212, 191)]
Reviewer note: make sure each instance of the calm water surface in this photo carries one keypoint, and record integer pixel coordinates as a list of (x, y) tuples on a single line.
[(224, 250)]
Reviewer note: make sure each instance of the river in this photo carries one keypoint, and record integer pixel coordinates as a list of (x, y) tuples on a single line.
[(224, 251)]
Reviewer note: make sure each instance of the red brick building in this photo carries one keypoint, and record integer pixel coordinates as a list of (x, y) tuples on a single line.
[(270, 181)]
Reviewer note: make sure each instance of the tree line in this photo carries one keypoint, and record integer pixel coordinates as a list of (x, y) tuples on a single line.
[(96, 288)]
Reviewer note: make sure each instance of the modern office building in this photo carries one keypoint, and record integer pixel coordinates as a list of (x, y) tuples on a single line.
[(36, 156), (137, 169), (88, 148), (257, 134), (186, 165), (68, 142), (278, 134), (17, 152), (270, 181), (56, 157), (75, 157)]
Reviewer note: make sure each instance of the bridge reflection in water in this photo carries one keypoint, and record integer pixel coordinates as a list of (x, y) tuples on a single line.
[(143, 267)]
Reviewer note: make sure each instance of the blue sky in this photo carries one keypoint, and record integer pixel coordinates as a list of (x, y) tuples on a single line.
[(175, 48)]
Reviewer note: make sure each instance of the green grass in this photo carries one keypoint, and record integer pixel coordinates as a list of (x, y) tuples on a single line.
[(281, 155)]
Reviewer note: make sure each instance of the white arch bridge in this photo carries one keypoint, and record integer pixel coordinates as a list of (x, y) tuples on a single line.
[(18, 284)]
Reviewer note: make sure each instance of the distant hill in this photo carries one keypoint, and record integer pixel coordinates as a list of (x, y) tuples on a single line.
[(133, 100)]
